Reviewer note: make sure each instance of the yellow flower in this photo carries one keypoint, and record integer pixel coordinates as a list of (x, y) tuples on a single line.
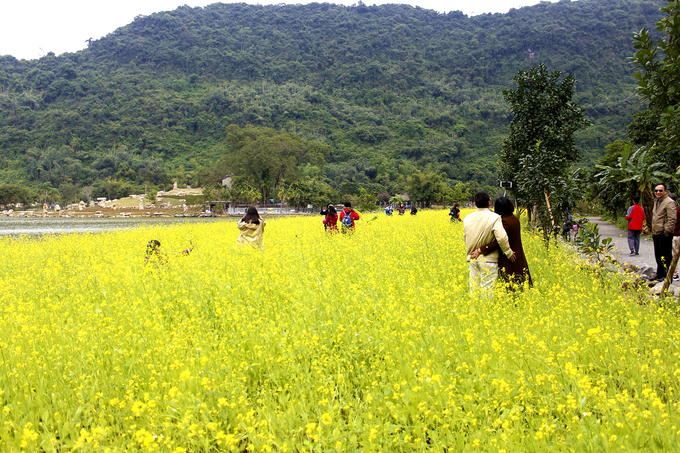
[(376, 333), (138, 408)]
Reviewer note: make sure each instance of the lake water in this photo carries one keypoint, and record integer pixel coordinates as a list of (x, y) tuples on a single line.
[(14, 226)]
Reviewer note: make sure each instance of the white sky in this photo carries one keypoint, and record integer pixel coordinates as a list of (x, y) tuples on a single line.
[(31, 28)]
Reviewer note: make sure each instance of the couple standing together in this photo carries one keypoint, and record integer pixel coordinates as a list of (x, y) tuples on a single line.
[(493, 244)]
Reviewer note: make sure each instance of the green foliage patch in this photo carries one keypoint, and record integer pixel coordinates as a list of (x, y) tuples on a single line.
[(390, 89)]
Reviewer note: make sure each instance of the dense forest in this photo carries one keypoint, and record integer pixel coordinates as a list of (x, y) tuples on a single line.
[(387, 90)]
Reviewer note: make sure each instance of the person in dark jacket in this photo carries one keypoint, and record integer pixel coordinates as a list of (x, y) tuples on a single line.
[(516, 272), (567, 226), (324, 213), (664, 216), (331, 220), (454, 213)]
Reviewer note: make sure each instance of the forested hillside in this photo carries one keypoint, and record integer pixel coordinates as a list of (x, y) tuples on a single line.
[(389, 89)]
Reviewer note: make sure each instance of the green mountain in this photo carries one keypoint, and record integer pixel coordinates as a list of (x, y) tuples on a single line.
[(389, 88)]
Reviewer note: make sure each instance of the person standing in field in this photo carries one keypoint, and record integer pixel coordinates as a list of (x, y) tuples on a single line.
[(454, 213), (664, 216), (154, 254), (251, 227), (479, 229), (401, 208), (331, 220), (635, 217), (324, 213), (514, 272), (347, 218)]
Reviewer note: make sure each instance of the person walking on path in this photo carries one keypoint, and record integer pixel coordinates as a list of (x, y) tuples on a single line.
[(347, 218), (567, 226), (635, 217), (664, 216), (251, 227), (514, 272), (479, 229)]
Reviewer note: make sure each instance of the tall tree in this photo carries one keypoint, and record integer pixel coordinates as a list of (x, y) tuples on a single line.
[(269, 160), (658, 76), (311, 191), (11, 194), (427, 188), (539, 150)]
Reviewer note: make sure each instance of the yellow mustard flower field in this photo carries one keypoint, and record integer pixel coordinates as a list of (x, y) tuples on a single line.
[(366, 342)]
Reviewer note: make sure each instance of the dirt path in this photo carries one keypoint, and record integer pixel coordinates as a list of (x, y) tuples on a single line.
[(621, 251)]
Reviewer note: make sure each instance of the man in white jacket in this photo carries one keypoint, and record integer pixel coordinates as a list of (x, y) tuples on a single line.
[(479, 229)]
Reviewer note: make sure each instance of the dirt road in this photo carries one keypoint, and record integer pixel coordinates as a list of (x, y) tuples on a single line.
[(645, 260)]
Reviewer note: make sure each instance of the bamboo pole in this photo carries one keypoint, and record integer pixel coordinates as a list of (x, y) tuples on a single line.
[(669, 275)]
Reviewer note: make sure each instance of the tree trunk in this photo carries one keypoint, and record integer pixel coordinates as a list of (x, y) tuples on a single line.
[(647, 202), (528, 217), (547, 201), (534, 218), (282, 195)]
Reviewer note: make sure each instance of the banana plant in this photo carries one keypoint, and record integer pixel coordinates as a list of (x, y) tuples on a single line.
[(634, 174)]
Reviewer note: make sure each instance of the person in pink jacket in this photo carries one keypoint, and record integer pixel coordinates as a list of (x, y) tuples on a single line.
[(635, 217)]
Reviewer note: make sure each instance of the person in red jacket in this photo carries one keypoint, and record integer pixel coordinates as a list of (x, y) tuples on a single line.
[(635, 217), (347, 218)]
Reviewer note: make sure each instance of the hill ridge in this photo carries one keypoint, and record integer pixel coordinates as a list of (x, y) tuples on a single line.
[(390, 88)]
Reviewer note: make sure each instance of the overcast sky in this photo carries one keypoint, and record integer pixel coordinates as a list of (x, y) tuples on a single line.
[(31, 28)]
